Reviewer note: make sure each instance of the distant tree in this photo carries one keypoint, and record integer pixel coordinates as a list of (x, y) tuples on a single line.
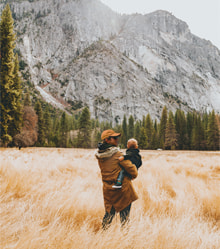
[(56, 135), (97, 137), (27, 99), (205, 119), (93, 122), (143, 138), (198, 142), (170, 133), (155, 125), (162, 127), (143, 121), (189, 128), (124, 135), (130, 127), (213, 132), (64, 130), (149, 129), (97, 123), (41, 127), (84, 125), (181, 129), (64, 123), (73, 123), (154, 140), (218, 124), (9, 82), (137, 130), (28, 135), (16, 109), (105, 125), (47, 125)]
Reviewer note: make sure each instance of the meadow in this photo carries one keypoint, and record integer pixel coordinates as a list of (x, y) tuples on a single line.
[(52, 198)]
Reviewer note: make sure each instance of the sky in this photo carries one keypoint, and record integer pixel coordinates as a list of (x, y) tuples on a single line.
[(202, 16)]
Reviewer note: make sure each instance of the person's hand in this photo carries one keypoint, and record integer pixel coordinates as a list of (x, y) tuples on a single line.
[(121, 158)]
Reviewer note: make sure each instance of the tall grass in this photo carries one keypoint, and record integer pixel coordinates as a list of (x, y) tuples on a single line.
[(52, 198)]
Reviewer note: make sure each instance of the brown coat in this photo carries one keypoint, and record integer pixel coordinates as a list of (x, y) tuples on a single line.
[(109, 165)]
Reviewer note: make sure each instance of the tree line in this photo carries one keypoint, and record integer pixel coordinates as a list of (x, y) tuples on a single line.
[(24, 122), (174, 131)]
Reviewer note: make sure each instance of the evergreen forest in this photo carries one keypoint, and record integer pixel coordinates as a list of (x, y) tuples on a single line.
[(27, 120)]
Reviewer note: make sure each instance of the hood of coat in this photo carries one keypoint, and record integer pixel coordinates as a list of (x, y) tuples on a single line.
[(132, 151), (101, 154)]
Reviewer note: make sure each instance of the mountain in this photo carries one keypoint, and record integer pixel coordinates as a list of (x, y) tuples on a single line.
[(80, 52)]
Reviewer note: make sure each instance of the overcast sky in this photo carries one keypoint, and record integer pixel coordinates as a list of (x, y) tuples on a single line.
[(202, 16)]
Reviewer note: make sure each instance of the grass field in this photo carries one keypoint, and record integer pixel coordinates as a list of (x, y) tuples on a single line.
[(52, 198)]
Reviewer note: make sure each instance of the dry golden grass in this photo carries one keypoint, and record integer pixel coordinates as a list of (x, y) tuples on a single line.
[(52, 198)]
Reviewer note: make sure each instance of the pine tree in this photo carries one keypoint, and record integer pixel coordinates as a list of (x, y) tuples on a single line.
[(170, 133), (143, 121), (73, 123), (162, 128), (130, 127), (149, 129), (181, 129), (97, 136), (124, 135), (56, 134), (213, 132), (7, 100), (189, 128), (137, 130), (47, 125), (84, 125), (154, 140), (64, 123), (105, 125), (155, 125), (218, 124), (64, 130), (41, 127), (205, 120), (197, 133), (27, 99), (16, 110), (143, 139)]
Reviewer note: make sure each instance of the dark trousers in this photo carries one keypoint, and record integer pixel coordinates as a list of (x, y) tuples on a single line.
[(108, 217)]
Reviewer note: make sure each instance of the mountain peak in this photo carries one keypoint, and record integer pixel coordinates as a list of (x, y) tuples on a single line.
[(85, 53)]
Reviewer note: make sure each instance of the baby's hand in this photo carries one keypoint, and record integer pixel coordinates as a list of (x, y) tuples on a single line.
[(121, 158)]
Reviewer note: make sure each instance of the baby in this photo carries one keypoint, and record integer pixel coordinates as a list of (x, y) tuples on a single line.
[(132, 154)]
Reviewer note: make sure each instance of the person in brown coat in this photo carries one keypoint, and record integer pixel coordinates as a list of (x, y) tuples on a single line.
[(115, 200)]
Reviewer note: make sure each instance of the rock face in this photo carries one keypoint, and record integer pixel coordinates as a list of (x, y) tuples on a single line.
[(82, 52)]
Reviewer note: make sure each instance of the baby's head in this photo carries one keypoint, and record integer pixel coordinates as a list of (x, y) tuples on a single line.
[(132, 144)]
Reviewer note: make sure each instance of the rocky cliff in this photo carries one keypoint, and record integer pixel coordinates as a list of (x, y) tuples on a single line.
[(80, 52)]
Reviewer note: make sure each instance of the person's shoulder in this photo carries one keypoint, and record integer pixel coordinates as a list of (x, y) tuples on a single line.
[(108, 153), (118, 153)]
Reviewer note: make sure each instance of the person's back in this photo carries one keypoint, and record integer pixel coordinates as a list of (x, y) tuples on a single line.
[(114, 200), (108, 162)]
